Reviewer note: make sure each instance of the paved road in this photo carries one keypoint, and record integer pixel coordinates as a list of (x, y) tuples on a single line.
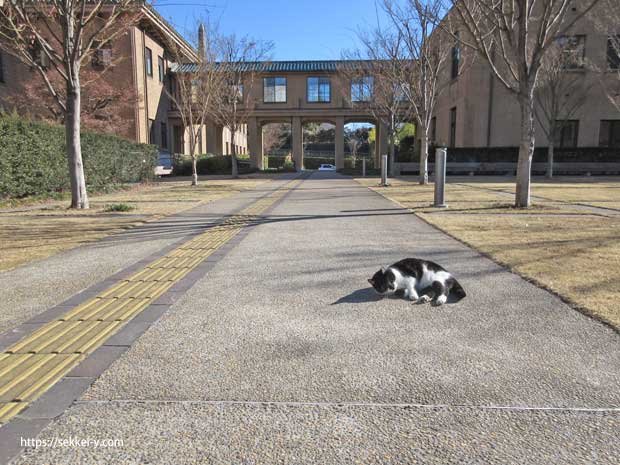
[(281, 354)]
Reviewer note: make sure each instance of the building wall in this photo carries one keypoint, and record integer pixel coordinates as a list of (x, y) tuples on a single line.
[(481, 99)]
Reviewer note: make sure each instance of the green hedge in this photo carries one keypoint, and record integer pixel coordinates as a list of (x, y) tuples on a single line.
[(209, 164), (33, 159)]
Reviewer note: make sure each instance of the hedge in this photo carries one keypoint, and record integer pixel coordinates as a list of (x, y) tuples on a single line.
[(33, 159), (209, 164), (511, 155)]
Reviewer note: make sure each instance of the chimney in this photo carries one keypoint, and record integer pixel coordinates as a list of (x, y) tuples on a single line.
[(202, 45)]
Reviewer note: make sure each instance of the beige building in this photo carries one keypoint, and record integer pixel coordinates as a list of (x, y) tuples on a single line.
[(476, 110), (300, 92), (139, 61)]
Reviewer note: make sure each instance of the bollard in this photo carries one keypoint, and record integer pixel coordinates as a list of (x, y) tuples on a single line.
[(363, 167), (384, 167), (440, 177)]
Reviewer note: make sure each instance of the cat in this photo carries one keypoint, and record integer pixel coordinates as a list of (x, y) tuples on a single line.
[(422, 280)]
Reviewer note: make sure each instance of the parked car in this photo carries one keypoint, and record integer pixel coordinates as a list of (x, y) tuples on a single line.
[(327, 167)]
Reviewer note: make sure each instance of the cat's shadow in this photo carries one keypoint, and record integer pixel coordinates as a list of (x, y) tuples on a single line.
[(366, 294)]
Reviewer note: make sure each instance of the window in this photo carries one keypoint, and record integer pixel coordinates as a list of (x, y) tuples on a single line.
[(613, 52), (319, 89), (433, 129), (574, 50), (456, 58), (164, 136), (274, 90), (151, 131), (362, 89), (453, 127), (1, 68), (609, 135), (148, 61), (160, 68), (567, 133)]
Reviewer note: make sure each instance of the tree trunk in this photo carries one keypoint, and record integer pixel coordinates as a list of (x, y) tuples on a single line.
[(194, 170), (235, 168), (526, 151), (423, 157), (550, 160), (79, 197), (392, 153)]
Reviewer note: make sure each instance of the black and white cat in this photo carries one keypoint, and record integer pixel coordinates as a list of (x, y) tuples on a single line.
[(422, 280)]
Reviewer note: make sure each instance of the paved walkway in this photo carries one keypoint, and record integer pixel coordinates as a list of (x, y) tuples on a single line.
[(282, 354)]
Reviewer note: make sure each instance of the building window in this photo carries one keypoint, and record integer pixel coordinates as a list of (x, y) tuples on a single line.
[(362, 89), (274, 90), (453, 127), (148, 61), (152, 131), (164, 136), (613, 52), (1, 68), (433, 129), (456, 58), (609, 135), (574, 51), (567, 134), (160, 68), (319, 89)]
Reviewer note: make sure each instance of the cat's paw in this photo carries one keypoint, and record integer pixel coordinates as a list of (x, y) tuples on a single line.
[(442, 299), (424, 299)]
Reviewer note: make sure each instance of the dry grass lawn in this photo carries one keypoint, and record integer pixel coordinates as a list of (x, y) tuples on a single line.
[(31, 231), (570, 250)]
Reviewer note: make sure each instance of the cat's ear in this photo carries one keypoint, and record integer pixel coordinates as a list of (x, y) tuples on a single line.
[(383, 269), (372, 282)]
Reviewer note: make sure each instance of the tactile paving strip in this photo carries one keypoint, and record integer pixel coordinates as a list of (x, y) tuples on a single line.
[(34, 364)]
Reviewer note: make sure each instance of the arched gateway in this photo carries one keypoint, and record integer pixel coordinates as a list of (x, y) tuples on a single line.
[(299, 92)]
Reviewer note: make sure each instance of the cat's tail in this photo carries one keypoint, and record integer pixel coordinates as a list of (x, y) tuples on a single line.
[(458, 291)]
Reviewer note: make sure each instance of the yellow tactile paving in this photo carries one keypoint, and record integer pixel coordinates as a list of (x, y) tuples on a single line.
[(31, 366)]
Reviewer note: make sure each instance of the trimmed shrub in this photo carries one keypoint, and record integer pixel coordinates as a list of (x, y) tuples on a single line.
[(33, 159), (209, 164)]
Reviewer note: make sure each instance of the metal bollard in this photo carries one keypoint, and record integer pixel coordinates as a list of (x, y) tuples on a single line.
[(384, 167), (363, 167), (440, 177)]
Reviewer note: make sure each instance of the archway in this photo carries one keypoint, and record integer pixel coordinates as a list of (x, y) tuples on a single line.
[(277, 145), (319, 144), (359, 145)]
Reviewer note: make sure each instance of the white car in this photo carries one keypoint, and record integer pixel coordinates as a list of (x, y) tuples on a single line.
[(327, 167)]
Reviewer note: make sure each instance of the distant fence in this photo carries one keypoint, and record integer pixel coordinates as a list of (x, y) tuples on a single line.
[(503, 160)]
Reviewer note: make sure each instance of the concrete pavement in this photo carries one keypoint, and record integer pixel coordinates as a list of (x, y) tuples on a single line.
[(282, 354)]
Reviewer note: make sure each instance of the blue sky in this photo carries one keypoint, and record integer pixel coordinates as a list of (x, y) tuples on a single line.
[(299, 29)]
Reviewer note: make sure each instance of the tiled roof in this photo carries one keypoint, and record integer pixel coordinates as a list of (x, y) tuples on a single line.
[(281, 66)]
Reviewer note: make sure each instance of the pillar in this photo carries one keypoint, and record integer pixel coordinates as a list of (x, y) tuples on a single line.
[(255, 143), (214, 138), (298, 143), (339, 142)]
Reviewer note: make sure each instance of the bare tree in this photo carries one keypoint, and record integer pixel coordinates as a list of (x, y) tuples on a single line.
[(374, 72), (355, 139), (513, 37), (559, 94), (195, 88), (56, 38), (425, 50), (240, 65)]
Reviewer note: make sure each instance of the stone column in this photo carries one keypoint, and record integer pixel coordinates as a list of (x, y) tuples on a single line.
[(298, 143), (339, 142), (255, 143), (214, 138)]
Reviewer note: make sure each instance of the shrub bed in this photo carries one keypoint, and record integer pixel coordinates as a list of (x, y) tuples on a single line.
[(209, 164), (33, 159)]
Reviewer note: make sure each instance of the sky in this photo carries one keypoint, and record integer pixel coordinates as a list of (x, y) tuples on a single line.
[(299, 29)]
